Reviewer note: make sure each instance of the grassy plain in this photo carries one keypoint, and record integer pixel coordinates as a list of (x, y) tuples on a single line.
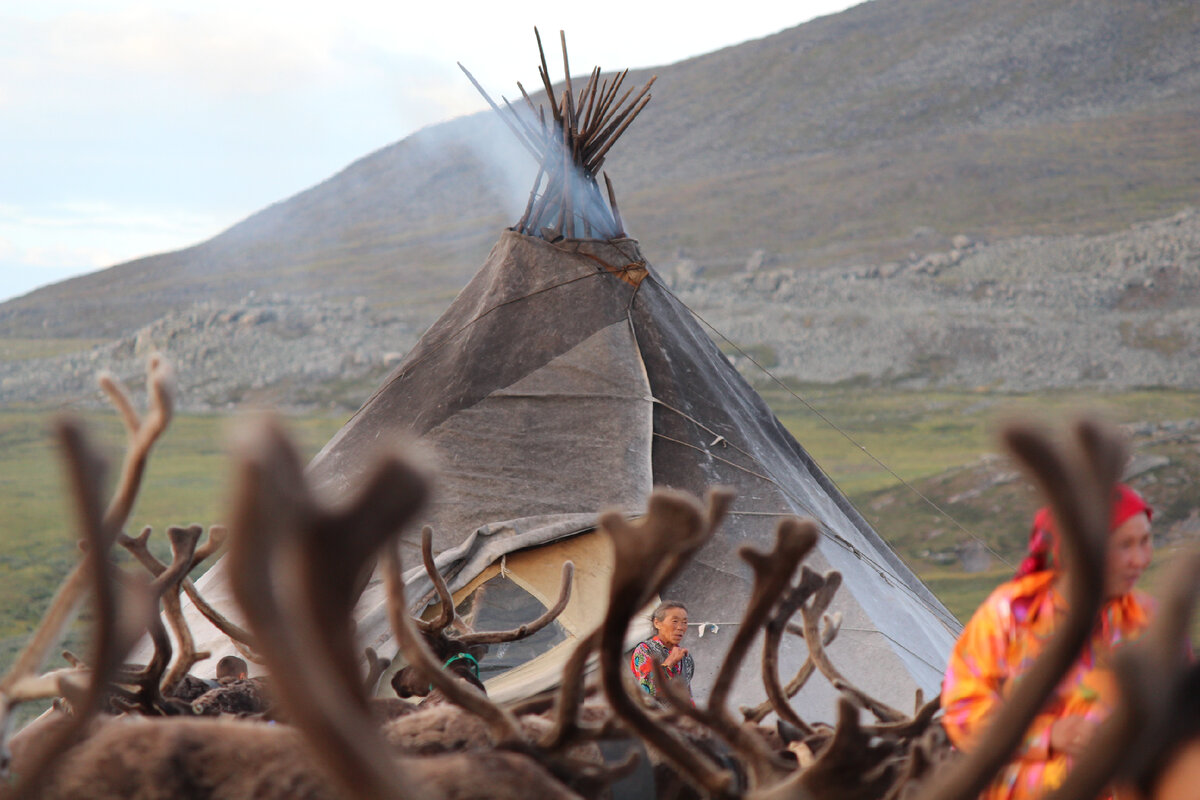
[(927, 470), (20, 349), (185, 483), (896, 454)]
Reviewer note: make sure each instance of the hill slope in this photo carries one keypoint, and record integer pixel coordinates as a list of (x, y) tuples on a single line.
[(846, 140)]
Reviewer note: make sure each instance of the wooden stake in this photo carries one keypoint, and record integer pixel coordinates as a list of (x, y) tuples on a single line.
[(537, 181), (613, 139), (496, 108), (602, 115), (612, 122), (592, 116), (589, 94), (612, 203), (566, 66), (544, 71), (568, 179)]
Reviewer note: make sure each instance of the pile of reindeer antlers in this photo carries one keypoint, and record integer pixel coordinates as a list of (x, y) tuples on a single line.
[(297, 567)]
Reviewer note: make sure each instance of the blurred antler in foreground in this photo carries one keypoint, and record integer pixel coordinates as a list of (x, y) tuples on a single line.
[(297, 567), (120, 611), (1077, 478), (291, 554), (99, 529)]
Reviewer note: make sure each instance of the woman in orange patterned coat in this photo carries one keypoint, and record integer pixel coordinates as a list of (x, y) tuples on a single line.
[(1008, 632)]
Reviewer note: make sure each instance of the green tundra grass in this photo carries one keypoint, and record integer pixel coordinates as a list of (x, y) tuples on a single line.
[(184, 483), (921, 466)]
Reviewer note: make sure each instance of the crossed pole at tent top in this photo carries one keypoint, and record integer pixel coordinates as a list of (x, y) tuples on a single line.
[(570, 149)]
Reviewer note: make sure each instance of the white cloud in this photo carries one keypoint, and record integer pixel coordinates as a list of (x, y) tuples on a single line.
[(40, 246), (149, 48), (134, 126)]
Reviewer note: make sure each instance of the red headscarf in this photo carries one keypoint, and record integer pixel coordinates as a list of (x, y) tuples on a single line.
[(1043, 538)]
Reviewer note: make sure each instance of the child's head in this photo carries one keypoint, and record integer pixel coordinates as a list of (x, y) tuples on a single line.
[(231, 668)]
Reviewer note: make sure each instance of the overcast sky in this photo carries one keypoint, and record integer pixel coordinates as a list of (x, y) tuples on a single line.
[(129, 128)]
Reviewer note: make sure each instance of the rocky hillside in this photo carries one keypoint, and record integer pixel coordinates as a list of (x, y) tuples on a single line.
[(834, 144), (1029, 313), (258, 350)]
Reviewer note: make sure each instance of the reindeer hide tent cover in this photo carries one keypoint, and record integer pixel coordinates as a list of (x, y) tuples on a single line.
[(565, 379)]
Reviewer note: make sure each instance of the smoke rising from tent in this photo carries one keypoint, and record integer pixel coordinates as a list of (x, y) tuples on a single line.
[(570, 148)]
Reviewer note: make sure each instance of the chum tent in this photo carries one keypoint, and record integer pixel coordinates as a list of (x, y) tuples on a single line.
[(565, 380)]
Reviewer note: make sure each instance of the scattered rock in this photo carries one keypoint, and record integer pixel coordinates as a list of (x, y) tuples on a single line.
[(1144, 462), (276, 344), (758, 260), (974, 557), (687, 270), (1025, 314)]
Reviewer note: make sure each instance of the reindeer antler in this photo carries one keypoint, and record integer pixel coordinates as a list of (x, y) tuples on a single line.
[(529, 628), (120, 614), (1077, 478), (160, 383), (773, 571), (851, 767), (289, 554), (86, 467), (1152, 672), (99, 527), (218, 536), (570, 694), (502, 724), (777, 695), (446, 611), (172, 606), (376, 666), (647, 555), (811, 612), (832, 624), (165, 588)]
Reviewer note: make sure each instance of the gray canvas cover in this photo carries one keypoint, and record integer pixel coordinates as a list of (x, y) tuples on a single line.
[(555, 387)]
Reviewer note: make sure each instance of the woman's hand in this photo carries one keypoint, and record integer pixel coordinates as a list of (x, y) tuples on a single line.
[(675, 656), (1071, 735)]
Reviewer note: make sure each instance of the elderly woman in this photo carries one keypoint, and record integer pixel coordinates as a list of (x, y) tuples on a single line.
[(1007, 633), (670, 622)]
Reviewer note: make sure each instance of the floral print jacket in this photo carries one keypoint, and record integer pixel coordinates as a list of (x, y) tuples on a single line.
[(1000, 644), (654, 648)]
